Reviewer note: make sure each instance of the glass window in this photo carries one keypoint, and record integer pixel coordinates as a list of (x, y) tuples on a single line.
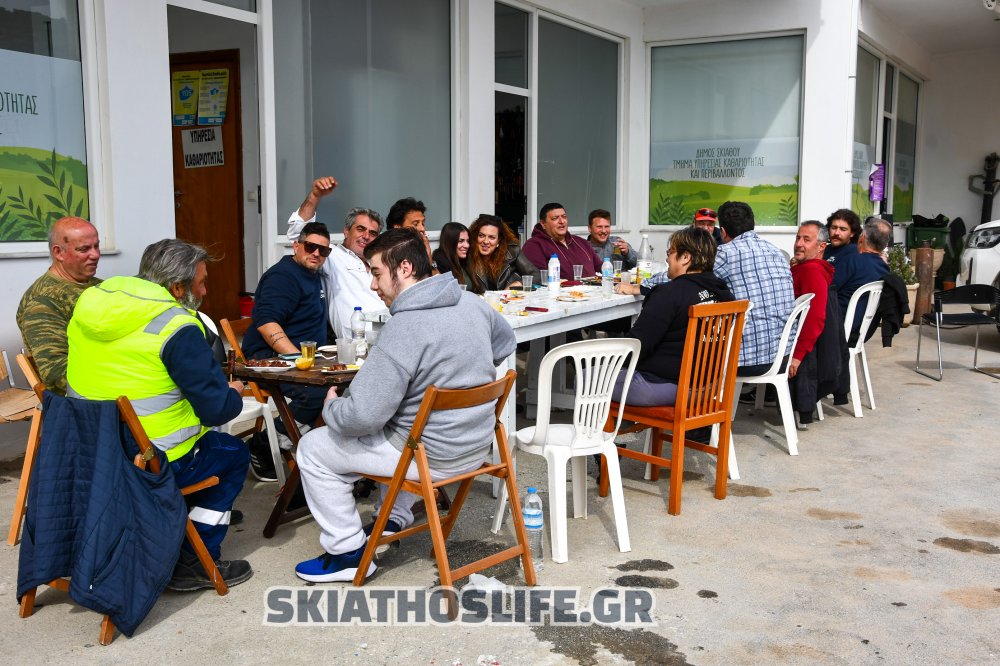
[(363, 91), (890, 76), (725, 125), (511, 45), (577, 160), (865, 126), (906, 149), (43, 147), (249, 5)]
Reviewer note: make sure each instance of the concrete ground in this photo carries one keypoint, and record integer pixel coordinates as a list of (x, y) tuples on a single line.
[(879, 543)]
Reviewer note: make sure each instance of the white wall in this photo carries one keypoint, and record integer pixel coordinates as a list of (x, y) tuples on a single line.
[(959, 119)]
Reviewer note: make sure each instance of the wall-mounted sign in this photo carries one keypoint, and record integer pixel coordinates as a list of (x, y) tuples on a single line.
[(212, 100), (202, 147), (184, 88), (876, 182)]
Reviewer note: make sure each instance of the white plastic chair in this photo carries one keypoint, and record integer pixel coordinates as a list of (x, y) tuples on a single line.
[(598, 363), (778, 376), (252, 410), (874, 292)]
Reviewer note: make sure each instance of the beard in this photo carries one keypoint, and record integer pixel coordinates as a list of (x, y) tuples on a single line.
[(189, 301)]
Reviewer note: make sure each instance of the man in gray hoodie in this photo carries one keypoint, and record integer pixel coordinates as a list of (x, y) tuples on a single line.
[(438, 334)]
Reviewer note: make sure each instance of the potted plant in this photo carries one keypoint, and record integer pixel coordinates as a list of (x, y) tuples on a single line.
[(899, 265)]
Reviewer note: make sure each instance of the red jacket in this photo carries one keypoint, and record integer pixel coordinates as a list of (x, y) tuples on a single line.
[(575, 250), (812, 277)]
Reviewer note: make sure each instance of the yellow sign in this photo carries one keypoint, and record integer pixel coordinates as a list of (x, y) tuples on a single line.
[(212, 101), (184, 88)]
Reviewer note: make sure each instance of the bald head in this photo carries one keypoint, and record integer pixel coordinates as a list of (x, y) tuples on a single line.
[(75, 249)]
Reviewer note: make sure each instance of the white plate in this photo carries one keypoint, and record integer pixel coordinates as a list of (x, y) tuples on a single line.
[(327, 349), (584, 288), (572, 299), (287, 367)]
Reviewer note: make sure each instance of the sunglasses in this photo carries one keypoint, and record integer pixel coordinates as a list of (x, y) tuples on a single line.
[(706, 212), (324, 250)]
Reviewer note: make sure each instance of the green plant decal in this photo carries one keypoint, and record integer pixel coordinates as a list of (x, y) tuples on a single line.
[(788, 210), (48, 186), (669, 210)]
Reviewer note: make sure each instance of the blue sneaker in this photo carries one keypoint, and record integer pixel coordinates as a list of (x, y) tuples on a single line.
[(329, 568), (391, 527)]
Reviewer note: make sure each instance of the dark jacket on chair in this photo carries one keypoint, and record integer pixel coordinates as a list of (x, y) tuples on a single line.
[(820, 372), (892, 305), (115, 530)]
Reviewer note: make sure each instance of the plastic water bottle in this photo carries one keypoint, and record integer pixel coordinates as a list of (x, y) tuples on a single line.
[(554, 277), (358, 333), (644, 268), (534, 525), (607, 277)]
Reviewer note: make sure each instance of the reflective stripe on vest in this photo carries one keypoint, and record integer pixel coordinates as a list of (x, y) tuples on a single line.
[(143, 406)]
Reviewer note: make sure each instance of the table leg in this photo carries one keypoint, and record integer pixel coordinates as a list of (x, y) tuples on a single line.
[(279, 514)]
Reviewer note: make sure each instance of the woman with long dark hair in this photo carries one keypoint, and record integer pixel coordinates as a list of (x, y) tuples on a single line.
[(453, 250), (495, 260)]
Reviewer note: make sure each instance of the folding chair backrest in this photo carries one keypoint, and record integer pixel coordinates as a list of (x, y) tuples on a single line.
[(436, 399), (708, 365), (874, 292), (5, 373), (147, 453), (597, 364), (233, 331), (969, 294)]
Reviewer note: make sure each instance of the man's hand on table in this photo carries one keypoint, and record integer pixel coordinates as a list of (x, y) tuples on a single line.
[(627, 289)]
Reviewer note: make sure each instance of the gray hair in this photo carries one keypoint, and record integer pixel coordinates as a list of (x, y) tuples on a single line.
[(352, 216), (877, 233), (171, 261), (822, 232)]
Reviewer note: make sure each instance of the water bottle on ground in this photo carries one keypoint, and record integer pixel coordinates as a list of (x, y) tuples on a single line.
[(358, 333), (607, 277), (644, 268), (554, 277), (534, 525)]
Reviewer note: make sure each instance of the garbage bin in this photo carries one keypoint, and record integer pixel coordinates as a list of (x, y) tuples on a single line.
[(246, 305)]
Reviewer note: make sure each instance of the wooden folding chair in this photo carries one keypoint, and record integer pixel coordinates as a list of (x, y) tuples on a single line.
[(704, 398), (146, 458), (27, 365), (440, 528)]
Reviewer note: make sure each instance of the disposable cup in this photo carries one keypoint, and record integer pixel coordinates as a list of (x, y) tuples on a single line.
[(526, 281), (577, 271), (345, 350)]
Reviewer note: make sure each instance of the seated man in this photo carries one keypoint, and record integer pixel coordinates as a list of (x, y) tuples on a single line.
[(705, 218), (859, 268), (346, 275), (138, 336), (551, 236), (755, 270), (47, 305), (607, 246), (844, 227), (289, 307), (408, 213), (438, 335)]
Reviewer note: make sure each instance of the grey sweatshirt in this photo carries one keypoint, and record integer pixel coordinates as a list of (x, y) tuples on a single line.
[(441, 335)]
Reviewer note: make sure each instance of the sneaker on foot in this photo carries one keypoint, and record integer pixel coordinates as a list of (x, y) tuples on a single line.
[(391, 527), (235, 517), (261, 462), (189, 575), (329, 568), (749, 397)]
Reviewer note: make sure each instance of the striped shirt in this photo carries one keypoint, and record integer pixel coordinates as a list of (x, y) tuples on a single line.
[(756, 270)]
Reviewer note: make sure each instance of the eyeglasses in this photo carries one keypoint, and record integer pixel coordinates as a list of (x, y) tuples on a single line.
[(310, 247), (706, 212)]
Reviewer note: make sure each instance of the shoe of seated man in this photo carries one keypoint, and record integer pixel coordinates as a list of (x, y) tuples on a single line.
[(261, 462), (328, 568), (189, 575), (391, 527)]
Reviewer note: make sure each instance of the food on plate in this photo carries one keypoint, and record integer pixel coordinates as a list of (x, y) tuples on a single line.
[(576, 294), (267, 363)]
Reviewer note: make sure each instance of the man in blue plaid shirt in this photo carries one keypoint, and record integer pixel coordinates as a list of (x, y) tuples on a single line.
[(756, 270)]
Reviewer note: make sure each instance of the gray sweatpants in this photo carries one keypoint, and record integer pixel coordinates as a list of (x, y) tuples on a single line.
[(329, 469)]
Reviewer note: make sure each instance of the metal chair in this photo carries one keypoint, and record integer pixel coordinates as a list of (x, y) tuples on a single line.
[(971, 294), (777, 374), (705, 392), (597, 363), (874, 291)]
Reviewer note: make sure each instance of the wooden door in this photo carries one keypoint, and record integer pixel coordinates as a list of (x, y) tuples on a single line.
[(208, 197)]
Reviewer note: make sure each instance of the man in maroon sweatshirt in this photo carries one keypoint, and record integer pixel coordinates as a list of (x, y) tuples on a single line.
[(811, 274), (551, 236)]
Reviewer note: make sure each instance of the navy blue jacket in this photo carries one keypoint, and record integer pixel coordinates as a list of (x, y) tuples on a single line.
[(293, 297), (94, 516)]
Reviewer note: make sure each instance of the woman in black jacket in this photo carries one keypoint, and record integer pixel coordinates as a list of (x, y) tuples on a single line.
[(495, 259), (453, 250), (663, 321)]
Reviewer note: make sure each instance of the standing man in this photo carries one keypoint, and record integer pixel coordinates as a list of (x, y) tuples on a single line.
[(757, 271), (47, 305), (346, 275), (551, 236), (844, 227), (367, 429), (139, 336), (606, 245)]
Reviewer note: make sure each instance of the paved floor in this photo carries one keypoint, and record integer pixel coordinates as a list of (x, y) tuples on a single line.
[(879, 543)]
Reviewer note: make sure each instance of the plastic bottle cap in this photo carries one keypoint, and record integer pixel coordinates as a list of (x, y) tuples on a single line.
[(357, 308), (531, 489), (554, 256)]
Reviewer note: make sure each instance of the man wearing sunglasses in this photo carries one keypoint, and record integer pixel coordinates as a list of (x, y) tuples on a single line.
[(289, 307), (705, 218)]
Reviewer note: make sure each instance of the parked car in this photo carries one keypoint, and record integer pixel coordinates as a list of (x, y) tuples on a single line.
[(981, 257)]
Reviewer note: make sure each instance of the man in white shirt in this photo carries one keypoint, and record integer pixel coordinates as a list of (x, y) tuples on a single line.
[(347, 275)]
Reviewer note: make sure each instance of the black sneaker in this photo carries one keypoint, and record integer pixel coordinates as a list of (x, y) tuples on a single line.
[(391, 527), (189, 575), (235, 517), (261, 463), (749, 398)]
